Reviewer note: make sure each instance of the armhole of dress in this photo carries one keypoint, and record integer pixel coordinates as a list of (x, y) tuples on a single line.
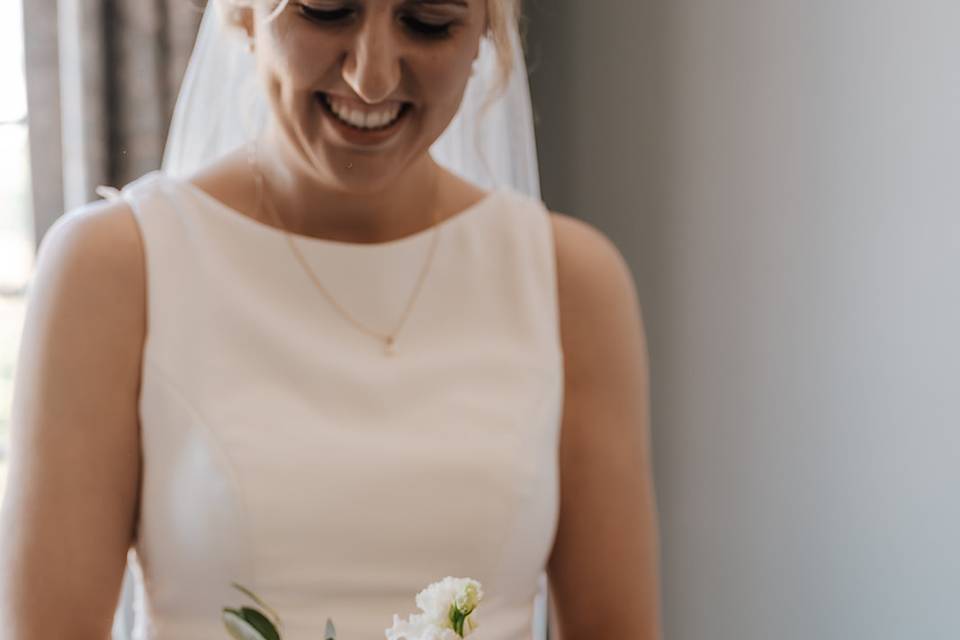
[(141, 196), (135, 195), (548, 254)]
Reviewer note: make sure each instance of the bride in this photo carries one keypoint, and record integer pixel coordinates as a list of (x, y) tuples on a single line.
[(335, 350)]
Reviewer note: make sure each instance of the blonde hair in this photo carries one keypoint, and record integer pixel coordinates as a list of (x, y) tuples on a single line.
[(501, 15)]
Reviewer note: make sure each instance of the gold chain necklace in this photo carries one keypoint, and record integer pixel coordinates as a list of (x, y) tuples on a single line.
[(388, 339)]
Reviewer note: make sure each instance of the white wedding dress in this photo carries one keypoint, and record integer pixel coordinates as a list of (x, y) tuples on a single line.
[(284, 450)]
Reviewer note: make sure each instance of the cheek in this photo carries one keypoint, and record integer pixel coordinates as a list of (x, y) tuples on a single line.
[(299, 62), (445, 78)]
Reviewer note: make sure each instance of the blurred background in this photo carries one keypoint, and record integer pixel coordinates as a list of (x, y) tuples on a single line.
[(781, 176), (16, 210)]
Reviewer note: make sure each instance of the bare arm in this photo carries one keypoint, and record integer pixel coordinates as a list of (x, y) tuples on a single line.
[(68, 516), (603, 570)]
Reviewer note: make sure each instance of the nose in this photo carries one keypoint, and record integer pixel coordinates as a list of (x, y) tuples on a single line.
[(372, 65)]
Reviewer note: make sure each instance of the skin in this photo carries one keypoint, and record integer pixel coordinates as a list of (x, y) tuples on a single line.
[(66, 523), (370, 58), (603, 569)]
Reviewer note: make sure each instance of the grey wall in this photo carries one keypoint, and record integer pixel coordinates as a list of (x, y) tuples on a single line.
[(782, 176)]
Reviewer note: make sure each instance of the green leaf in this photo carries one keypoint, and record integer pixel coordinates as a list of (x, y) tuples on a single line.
[(456, 619), (261, 623), (250, 594), (330, 633), (238, 628)]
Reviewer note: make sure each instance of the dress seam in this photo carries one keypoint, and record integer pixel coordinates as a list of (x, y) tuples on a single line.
[(217, 447), (503, 553)]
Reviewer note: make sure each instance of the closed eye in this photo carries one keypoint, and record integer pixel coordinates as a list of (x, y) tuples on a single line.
[(321, 15), (428, 29), (413, 24)]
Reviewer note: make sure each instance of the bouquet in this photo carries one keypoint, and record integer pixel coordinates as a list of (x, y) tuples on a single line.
[(447, 612)]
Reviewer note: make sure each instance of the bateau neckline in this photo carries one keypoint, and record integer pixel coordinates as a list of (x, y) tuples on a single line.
[(228, 212)]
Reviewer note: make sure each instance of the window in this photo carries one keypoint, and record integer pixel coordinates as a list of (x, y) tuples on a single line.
[(16, 214)]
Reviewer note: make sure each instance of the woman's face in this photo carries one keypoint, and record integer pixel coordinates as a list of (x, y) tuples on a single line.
[(366, 86)]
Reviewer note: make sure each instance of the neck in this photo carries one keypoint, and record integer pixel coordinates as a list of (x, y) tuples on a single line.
[(393, 210)]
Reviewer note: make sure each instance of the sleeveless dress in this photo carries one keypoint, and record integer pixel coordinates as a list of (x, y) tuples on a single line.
[(284, 450)]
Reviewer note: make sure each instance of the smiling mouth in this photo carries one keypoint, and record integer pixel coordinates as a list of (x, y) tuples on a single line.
[(370, 120)]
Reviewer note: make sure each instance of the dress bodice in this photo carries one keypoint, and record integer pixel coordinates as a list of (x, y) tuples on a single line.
[(284, 450)]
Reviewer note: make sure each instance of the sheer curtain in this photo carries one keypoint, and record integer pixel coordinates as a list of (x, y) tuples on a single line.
[(120, 65)]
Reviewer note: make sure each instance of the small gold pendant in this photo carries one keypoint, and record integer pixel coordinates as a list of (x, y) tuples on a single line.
[(389, 347)]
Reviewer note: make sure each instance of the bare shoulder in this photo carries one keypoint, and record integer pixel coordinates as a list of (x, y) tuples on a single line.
[(71, 501), (583, 251), (606, 542), (597, 293), (98, 235), (90, 285), (86, 302)]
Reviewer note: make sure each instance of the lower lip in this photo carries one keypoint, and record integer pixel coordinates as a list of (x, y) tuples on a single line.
[(362, 137)]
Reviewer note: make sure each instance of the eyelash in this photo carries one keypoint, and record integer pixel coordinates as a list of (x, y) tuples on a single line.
[(418, 27)]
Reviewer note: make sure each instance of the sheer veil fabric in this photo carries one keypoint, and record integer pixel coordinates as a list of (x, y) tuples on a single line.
[(495, 148)]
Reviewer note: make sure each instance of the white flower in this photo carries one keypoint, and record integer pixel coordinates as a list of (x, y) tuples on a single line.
[(469, 597), (448, 612), (419, 627), (436, 599)]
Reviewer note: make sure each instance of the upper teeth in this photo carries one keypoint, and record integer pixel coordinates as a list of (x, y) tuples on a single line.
[(371, 119)]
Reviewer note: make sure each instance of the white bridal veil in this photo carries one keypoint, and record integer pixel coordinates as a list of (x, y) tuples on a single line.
[(221, 106)]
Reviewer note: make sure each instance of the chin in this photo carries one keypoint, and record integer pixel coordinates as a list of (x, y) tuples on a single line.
[(362, 177), (369, 172)]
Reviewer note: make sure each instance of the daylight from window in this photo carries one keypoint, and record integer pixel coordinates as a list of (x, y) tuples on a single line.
[(16, 215)]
